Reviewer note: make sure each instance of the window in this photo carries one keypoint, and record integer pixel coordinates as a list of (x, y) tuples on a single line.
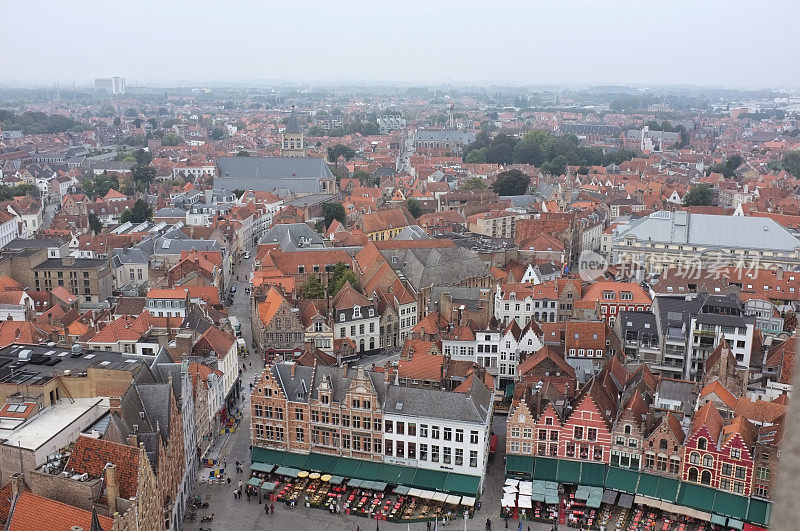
[(736, 453), (694, 458), (578, 432), (389, 426), (448, 434), (459, 436), (459, 457), (389, 446), (727, 469), (708, 461), (741, 472), (473, 437), (423, 452), (762, 473), (401, 451), (300, 434), (435, 432), (447, 455), (701, 443), (401, 428), (473, 458), (434, 454)]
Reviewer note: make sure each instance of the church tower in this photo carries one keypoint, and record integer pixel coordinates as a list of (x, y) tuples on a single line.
[(293, 142)]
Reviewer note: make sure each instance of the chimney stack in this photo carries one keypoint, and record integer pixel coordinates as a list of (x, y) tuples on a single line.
[(112, 488), (17, 485)]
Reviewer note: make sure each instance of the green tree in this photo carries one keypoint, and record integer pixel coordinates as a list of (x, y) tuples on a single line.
[(341, 275), (340, 150), (140, 212), (9, 192), (142, 157), (130, 112), (94, 223), (511, 182), (529, 152), (99, 185), (791, 162), (699, 194), (153, 123), (170, 139), (731, 165), (414, 207), (312, 288), (143, 174), (243, 153), (117, 121), (364, 177), (333, 210), (476, 156), (473, 183), (218, 133)]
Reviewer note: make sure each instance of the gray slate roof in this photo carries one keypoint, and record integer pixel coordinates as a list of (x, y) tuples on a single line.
[(712, 230), (434, 403), (293, 124), (291, 236), (271, 174), (441, 266), (461, 137)]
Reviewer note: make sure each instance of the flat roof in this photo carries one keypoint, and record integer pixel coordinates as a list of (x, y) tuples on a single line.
[(53, 420), (36, 364)]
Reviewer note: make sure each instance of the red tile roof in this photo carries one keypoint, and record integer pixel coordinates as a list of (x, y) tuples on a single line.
[(35, 513), (91, 455)]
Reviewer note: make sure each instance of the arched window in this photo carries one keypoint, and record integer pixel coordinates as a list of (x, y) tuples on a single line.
[(693, 475), (662, 444), (701, 443), (708, 461), (694, 458), (705, 477), (627, 429)]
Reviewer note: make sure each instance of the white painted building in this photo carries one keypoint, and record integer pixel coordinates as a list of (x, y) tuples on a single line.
[(438, 430)]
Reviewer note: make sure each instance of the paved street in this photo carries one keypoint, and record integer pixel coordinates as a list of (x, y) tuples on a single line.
[(243, 515)]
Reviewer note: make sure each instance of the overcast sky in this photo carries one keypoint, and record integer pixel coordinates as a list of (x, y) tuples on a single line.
[(721, 43)]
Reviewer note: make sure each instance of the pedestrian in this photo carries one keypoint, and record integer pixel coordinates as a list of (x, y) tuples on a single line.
[(507, 523), (266, 509), (248, 494), (271, 508), (229, 480), (429, 526), (234, 494), (488, 525)]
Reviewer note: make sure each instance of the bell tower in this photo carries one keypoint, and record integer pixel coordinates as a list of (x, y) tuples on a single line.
[(293, 142)]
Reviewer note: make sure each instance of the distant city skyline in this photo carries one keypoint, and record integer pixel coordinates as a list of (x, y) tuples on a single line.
[(737, 44)]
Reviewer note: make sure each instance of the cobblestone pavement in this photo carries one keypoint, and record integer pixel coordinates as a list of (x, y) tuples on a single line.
[(241, 515)]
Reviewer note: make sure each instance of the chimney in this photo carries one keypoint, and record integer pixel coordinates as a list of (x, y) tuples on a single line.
[(133, 440), (114, 404), (184, 343), (294, 365), (112, 488), (344, 370), (17, 485)]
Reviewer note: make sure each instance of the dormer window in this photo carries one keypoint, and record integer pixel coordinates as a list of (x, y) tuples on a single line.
[(341, 316), (371, 312), (356, 312)]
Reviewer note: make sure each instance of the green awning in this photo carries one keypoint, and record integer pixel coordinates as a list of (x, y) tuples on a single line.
[(648, 485), (287, 471), (731, 505), (509, 391), (668, 489), (266, 455), (519, 464), (758, 513), (321, 463), (262, 467), (268, 486), (593, 474), (735, 524), (369, 470), (569, 471), (545, 468), (717, 519), (696, 497), (396, 474), (255, 482), (346, 467), (293, 460), (462, 484), (622, 479), (429, 479)]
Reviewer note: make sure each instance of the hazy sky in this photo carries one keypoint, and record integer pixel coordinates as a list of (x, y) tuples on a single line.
[(754, 43)]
